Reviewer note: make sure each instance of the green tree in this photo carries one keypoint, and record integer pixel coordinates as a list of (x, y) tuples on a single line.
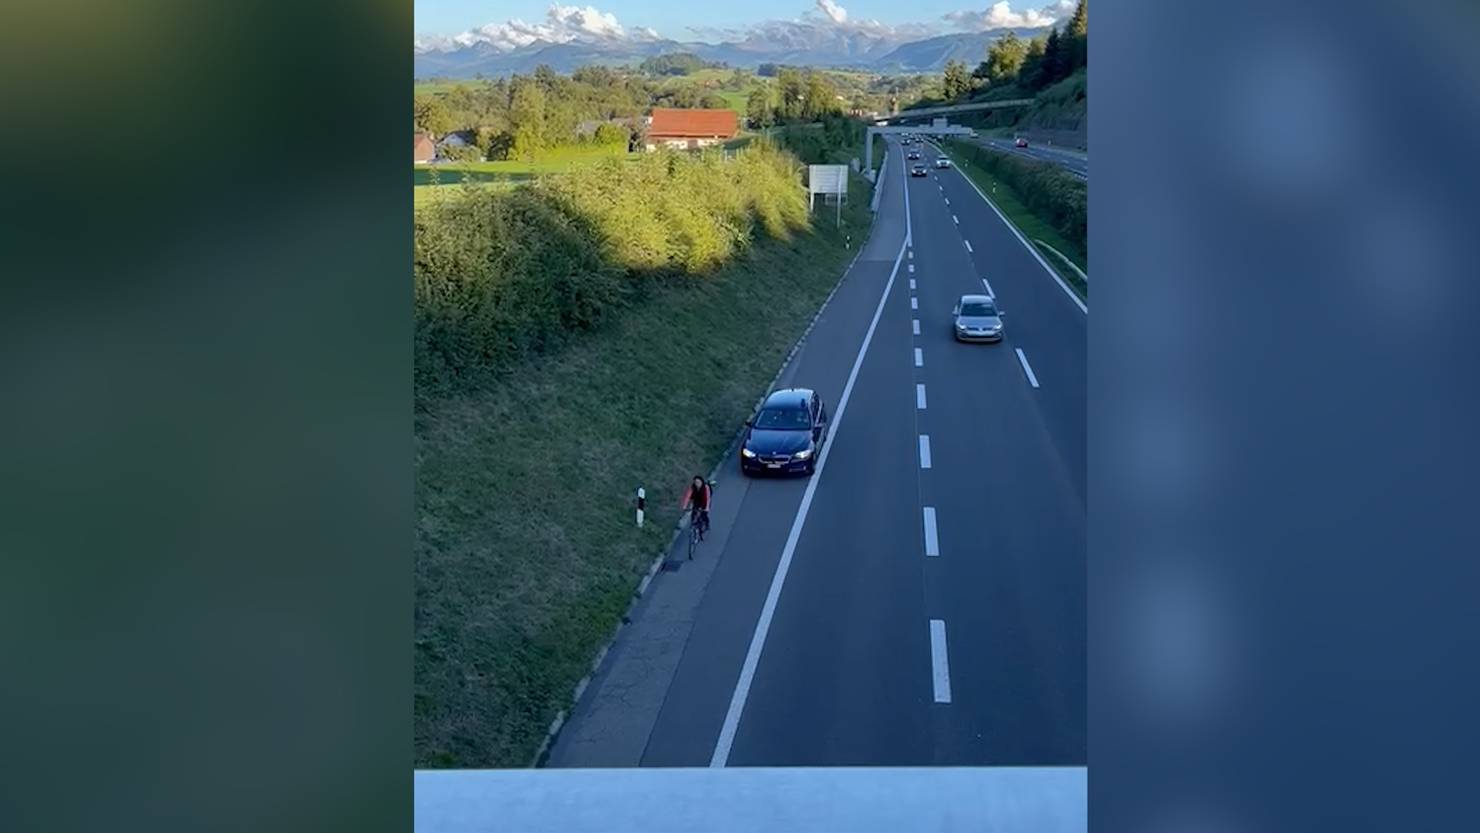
[(526, 118), (713, 101), (957, 82), (792, 91), (430, 115), (1028, 72), (758, 107), (1004, 58), (820, 97), (1054, 66), (1077, 31)]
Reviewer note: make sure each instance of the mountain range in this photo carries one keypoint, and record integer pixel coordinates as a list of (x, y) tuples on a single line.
[(862, 48)]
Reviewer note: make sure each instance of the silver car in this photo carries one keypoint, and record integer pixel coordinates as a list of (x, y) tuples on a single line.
[(977, 318), (942, 162)]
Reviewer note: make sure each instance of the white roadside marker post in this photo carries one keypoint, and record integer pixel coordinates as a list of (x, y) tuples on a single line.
[(641, 505)]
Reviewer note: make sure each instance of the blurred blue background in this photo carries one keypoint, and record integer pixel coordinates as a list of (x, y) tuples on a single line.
[(1283, 399)]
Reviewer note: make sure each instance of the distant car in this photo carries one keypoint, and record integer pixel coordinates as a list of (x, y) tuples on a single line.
[(914, 154), (977, 318), (942, 162), (1021, 142), (786, 434), (918, 170)]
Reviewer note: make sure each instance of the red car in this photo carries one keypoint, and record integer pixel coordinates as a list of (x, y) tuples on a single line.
[(1021, 142)]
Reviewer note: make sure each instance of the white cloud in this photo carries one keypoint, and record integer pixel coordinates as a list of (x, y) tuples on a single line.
[(836, 13), (1001, 16), (562, 24)]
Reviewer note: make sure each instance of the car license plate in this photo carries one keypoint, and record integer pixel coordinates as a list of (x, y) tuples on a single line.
[(773, 465)]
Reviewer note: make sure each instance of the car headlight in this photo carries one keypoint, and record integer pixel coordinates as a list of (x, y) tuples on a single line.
[(803, 454), (960, 326), (745, 452)]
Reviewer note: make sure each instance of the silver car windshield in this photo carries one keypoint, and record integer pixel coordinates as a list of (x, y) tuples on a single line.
[(978, 310)]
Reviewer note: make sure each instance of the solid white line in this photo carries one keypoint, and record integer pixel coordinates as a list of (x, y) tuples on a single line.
[(968, 245), (912, 284), (932, 542), (919, 358), (919, 393), (956, 219), (914, 302), (924, 451), (768, 610), (1029, 246), (915, 325), (1032, 380), (940, 667), (989, 288)]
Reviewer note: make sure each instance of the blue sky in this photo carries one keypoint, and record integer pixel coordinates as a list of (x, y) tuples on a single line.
[(672, 18)]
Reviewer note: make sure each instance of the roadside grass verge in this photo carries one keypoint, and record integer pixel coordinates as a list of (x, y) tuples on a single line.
[(526, 548), (1032, 226)]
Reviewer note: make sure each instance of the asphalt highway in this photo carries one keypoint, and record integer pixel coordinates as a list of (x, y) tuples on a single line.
[(1071, 161), (921, 599)]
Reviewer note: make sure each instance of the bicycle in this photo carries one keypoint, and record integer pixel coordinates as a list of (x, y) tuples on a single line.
[(699, 523)]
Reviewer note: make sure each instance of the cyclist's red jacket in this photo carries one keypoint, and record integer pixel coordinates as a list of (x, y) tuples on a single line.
[(703, 496)]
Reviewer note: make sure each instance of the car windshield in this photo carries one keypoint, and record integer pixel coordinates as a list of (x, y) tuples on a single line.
[(976, 309), (783, 419)]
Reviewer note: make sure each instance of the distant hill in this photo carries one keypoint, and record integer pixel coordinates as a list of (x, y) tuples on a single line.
[(796, 46), (931, 54)]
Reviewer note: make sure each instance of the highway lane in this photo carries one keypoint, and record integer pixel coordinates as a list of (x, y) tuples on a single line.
[(1071, 161), (877, 652), (847, 674), (1008, 486)]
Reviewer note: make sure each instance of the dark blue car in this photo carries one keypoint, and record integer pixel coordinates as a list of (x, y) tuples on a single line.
[(786, 435)]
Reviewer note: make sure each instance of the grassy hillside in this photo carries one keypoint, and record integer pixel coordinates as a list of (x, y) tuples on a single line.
[(580, 337)]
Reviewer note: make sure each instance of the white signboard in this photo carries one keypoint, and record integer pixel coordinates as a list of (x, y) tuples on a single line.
[(827, 179)]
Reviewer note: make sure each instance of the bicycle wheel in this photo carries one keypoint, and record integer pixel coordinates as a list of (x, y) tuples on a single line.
[(693, 539)]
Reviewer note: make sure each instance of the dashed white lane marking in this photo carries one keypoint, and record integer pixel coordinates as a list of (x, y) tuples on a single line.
[(956, 219), (924, 451), (940, 666), (968, 246), (932, 542), (912, 254), (914, 302), (912, 284), (948, 199), (1032, 380), (919, 357), (912, 268), (920, 394), (990, 293), (915, 325)]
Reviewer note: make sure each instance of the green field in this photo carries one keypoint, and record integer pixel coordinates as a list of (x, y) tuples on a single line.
[(527, 550)]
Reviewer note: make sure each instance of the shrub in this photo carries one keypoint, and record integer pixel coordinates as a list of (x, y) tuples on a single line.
[(503, 273), (462, 153)]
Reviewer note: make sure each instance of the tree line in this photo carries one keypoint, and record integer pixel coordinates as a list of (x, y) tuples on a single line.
[(518, 117), (1029, 65), (798, 96)]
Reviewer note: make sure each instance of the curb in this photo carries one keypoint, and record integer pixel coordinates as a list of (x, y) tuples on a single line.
[(542, 754)]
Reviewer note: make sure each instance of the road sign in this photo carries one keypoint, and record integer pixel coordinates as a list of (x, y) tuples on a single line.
[(827, 179)]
